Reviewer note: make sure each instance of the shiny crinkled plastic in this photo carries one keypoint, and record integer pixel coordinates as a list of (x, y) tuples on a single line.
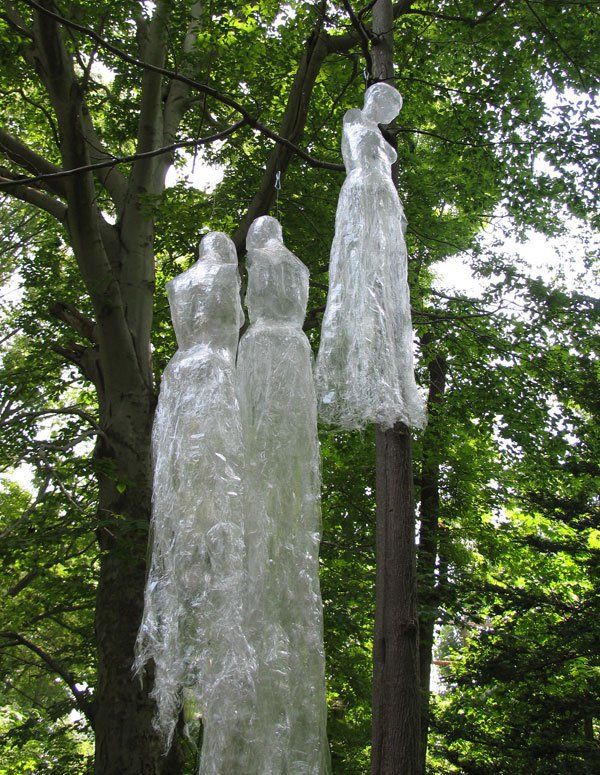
[(283, 518), (192, 626), (365, 371)]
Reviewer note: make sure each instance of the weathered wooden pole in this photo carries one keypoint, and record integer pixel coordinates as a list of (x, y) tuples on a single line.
[(396, 729)]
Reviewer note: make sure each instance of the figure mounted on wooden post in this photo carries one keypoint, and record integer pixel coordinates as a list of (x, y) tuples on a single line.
[(365, 367)]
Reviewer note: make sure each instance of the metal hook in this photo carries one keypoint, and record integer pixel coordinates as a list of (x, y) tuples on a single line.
[(278, 180)]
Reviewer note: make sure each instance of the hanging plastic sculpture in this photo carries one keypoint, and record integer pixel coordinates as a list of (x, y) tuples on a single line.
[(365, 367), (279, 418), (192, 623)]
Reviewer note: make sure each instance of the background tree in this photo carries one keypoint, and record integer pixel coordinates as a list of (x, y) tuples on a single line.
[(496, 128)]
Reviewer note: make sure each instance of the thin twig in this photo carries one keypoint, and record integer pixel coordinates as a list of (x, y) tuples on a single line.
[(126, 159)]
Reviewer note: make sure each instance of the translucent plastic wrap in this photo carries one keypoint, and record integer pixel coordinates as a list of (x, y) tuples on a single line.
[(192, 624), (365, 363), (284, 609)]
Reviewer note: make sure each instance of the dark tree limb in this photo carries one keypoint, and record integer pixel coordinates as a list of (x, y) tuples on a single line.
[(14, 19), (39, 498), (557, 43), (19, 153), (75, 411), (364, 33), (79, 322), (292, 127), (33, 197), (470, 22), (86, 359), (82, 700), (112, 161)]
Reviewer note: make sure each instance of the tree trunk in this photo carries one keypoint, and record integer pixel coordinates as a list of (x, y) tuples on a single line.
[(396, 698), (396, 691), (428, 539), (126, 743)]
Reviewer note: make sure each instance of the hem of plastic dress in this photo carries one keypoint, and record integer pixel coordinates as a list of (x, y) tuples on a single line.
[(415, 421)]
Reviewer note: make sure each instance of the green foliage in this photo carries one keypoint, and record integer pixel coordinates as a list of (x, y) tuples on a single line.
[(519, 609), (348, 588), (498, 120)]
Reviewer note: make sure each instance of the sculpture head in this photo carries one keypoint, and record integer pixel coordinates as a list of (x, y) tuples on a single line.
[(218, 247), (205, 300), (262, 230), (382, 103), (277, 280)]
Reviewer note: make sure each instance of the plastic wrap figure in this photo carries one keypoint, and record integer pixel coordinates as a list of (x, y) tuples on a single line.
[(279, 418), (365, 363), (192, 622)]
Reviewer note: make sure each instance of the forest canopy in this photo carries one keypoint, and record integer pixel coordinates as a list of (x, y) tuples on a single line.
[(180, 118)]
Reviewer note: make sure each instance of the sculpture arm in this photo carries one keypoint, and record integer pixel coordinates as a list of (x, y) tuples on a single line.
[(352, 118)]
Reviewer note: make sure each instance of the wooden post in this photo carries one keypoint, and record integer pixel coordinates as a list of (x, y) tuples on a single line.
[(396, 687)]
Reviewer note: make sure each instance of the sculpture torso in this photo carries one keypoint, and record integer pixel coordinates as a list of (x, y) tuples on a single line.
[(205, 306), (192, 623), (363, 147), (277, 286)]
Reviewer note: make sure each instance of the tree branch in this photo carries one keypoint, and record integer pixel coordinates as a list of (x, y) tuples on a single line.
[(22, 155), (177, 94), (292, 126), (404, 7), (81, 698), (19, 153), (150, 119), (365, 35), (67, 410), (70, 315), (86, 359), (14, 18), (115, 339), (113, 161), (342, 43), (42, 490), (204, 88), (53, 206), (557, 43), (106, 173)]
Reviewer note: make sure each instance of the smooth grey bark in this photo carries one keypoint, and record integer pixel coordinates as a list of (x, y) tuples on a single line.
[(117, 268)]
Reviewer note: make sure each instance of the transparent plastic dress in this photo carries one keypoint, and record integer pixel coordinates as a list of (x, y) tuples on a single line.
[(283, 517), (192, 624), (365, 371)]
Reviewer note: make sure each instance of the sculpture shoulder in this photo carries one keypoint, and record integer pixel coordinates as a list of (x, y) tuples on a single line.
[(197, 274), (297, 263), (353, 116), (266, 259)]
